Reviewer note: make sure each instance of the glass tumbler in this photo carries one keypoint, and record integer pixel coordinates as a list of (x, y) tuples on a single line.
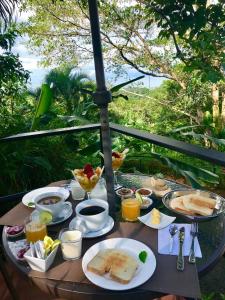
[(130, 209), (71, 243)]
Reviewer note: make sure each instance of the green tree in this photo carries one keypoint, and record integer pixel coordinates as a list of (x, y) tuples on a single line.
[(67, 86), (13, 79)]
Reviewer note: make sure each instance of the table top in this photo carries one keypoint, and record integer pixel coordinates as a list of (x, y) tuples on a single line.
[(211, 238)]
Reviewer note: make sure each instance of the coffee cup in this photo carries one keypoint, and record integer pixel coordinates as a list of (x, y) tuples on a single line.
[(54, 202), (92, 215)]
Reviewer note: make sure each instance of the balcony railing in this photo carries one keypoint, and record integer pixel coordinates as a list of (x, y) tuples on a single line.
[(209, 155)]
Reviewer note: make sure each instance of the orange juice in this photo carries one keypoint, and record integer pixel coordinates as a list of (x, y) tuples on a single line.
[(130, 209), (35, 231)]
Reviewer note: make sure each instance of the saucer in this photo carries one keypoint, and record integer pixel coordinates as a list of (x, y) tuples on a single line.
[(63, 216), (108, 226)]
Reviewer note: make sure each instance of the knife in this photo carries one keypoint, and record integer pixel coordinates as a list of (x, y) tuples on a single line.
[(180, 258)]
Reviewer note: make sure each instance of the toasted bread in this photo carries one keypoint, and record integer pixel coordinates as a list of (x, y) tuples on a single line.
[(203, 201), (177, 204), (99, 263), (123, 266), (197, 209), (120, 265)]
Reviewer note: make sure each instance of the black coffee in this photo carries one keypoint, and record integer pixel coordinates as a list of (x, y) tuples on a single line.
[(91, 210)]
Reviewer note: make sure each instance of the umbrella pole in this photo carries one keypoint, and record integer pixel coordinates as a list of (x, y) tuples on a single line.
[(102, 97)]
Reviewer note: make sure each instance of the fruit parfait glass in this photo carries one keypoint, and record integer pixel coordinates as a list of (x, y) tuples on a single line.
[(87, 177), (117, 161)]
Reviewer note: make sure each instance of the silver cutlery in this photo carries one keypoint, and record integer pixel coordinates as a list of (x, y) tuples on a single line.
[(180, 258), (172, 230), (194, 233)]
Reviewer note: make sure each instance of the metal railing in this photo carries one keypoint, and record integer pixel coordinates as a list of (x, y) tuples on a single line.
[(209, 155)]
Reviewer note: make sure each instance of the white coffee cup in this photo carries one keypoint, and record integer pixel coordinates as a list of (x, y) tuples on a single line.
[(95, 220), (56, 208)]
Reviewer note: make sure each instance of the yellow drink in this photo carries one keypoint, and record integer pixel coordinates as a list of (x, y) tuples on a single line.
[(35, 231), (130, 209), (116, 163)]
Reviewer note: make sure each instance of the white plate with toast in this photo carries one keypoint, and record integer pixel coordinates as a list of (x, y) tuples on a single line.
[(195, 204), (101, 266)]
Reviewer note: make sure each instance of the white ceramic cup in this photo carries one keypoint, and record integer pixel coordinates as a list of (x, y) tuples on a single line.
[(93, 222), (56, 208)]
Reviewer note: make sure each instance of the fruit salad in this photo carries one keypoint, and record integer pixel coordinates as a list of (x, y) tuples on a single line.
[(117, 159), (87, 177)]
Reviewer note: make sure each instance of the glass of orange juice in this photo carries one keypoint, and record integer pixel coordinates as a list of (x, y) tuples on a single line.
[(35, 230), (130, 209)]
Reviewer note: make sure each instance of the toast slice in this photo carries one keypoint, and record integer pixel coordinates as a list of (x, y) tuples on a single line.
[(100, 262), (123, 266), (203, 201), (120, 265), (177, 204), (197, 209)]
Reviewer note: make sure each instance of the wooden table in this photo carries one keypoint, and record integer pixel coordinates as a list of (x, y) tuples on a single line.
[(211, 238)]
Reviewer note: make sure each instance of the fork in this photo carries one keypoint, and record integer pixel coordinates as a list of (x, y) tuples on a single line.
[(194, 233)]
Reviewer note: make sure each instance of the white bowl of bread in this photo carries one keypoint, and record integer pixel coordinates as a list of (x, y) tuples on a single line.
[(195, 204)]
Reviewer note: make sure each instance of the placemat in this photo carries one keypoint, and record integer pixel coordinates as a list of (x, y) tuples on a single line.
[(18, 213), (166, 278)]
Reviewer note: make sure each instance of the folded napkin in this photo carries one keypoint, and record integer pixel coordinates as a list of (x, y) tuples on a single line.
[(164, 241)]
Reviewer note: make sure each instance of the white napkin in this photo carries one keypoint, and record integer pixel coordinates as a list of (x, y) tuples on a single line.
[(164, 241)]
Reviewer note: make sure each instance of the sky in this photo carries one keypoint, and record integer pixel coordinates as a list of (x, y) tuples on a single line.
[(31, 62)]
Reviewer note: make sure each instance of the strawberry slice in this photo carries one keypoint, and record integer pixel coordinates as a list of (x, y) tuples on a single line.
[(88, 170), (115, 154)]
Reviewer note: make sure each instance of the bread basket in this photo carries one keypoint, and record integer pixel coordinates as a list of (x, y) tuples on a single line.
[(219, 207)]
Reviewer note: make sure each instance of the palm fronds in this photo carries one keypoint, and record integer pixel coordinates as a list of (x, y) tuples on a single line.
[(7, 8)]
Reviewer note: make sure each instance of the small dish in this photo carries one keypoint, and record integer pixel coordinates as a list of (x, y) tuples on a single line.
[(18, 248), (38, 264), (124, 193), (144, 192), (164, 220), (147, 202), (92, 234), (14, 231)]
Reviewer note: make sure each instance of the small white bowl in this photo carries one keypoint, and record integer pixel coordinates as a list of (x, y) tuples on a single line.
[(124, 195), (147, 190), (147, 202), (38, 264)]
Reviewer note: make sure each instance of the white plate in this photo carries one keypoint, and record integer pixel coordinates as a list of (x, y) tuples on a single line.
[(164, 220), (63, 216), (29, 196), (133, 247), (108, 226)]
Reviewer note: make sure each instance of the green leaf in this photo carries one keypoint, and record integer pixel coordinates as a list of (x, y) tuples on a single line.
[(143, 256), (44, 103), (116, 88)]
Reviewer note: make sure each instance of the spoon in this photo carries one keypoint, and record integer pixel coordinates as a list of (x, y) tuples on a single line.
[(172, 230)]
